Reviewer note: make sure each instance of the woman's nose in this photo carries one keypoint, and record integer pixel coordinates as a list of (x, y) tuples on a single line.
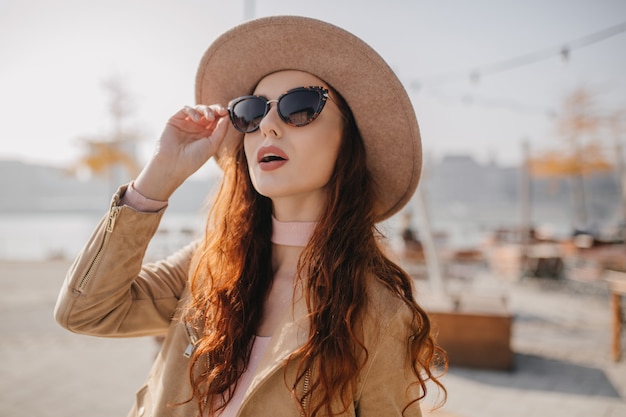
[(271, 122)]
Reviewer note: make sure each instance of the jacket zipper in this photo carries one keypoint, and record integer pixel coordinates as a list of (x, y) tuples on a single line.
[(305, 391), (113, 213), (193, 341)]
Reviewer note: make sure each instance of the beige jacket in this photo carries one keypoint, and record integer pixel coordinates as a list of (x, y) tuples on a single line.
[(108, 292)]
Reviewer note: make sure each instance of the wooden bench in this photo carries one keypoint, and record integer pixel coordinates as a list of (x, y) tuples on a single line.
[(617, 286), (477, 333)]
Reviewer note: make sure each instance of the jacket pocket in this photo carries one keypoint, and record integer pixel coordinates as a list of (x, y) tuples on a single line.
[(143, 403)]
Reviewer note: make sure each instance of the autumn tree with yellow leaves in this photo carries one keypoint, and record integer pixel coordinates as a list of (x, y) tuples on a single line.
[(582, 151), (113, 155)]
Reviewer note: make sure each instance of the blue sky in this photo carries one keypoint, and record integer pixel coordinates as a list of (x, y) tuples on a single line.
[(54, 57)]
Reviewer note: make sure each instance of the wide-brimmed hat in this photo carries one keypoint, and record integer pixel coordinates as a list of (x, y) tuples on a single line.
[(237, 60)]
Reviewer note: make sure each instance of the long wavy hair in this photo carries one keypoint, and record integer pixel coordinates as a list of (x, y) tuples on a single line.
[(233, 275)]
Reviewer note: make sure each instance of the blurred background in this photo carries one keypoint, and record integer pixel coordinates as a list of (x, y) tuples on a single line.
[(519, 220)]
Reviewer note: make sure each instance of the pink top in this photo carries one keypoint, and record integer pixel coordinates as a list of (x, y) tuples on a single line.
[(259, 347), (292, 233)]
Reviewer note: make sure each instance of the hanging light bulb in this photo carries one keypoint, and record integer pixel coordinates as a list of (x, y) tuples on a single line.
[(565, 54)]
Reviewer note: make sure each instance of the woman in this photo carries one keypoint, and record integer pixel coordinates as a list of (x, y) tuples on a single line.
[(288, 306)]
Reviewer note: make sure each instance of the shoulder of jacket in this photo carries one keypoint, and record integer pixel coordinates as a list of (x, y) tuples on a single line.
[(385, 309)]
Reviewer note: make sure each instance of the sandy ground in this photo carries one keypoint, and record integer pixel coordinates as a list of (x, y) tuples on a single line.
[(561, 340)]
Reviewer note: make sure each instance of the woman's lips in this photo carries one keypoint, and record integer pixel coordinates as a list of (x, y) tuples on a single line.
[(271, 158)]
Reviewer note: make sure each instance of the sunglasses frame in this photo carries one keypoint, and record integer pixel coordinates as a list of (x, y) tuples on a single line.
[(323, 97)]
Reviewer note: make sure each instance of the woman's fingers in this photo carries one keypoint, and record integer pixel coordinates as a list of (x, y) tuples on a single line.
[(217, 135), (192, 123), (213, 112), (194, 132), (203, 114), (191, 114)]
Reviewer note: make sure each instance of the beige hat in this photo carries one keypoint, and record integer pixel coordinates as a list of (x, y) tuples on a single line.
[(238, 59)]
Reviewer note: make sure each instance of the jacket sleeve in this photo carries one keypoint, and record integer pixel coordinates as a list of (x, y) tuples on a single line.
[(109, 292), (388, 384)]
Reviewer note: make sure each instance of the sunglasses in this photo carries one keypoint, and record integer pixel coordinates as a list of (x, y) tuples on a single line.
[(297, 107)]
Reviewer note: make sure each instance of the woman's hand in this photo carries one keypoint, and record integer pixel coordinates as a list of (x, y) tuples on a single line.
[(189, 139)]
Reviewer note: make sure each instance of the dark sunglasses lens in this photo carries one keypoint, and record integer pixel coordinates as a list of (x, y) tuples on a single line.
[(300, 107), (248, 113)]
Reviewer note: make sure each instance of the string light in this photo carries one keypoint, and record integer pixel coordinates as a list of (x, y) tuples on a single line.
[(476, 75), (493, 103), (563, 51)]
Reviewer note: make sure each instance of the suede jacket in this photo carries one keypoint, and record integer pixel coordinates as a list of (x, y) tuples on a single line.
[(109, 292)]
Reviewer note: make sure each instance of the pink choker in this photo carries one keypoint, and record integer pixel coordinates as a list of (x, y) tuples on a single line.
[(292, 233)]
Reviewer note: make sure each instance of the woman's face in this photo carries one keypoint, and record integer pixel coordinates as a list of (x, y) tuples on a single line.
[(288, 164)]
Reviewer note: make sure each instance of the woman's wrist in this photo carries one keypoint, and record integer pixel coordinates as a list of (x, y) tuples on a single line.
[(139, 202), (156, 183)]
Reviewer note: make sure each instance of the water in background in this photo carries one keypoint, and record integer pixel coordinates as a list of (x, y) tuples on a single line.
[(41, 236)]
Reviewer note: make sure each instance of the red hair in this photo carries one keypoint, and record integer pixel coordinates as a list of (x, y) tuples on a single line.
[(233, 275)]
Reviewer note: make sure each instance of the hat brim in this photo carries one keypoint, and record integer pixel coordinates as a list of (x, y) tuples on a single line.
[(237, 60)]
